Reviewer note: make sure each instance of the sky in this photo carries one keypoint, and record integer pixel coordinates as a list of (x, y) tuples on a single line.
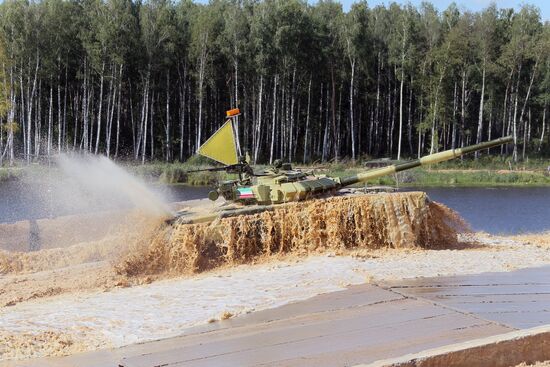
[(474, 5)]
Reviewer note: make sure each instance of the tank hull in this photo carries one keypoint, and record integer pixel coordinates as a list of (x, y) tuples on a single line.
[(205, 211)]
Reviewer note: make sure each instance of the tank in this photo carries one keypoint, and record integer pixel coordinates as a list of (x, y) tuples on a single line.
[(254, 191)]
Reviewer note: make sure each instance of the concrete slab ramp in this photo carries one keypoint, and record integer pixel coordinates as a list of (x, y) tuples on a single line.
[(505, 350)]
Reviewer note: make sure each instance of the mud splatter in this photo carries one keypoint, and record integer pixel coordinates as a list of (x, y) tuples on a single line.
[(401, 220), (43, 343), (136, 228)]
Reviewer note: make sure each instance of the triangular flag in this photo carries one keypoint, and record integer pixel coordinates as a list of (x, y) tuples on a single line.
[(221, 146)]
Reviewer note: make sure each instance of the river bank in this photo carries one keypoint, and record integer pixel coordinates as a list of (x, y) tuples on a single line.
[(486, 171), (461, 173)]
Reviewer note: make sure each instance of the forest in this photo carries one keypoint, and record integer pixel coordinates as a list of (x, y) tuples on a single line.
[(151, 80)]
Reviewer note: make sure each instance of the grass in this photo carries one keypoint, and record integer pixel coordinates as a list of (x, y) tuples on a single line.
[(9, 174), (486, 171), (171, 173), (496, 163), (461, 174), (423, 177)]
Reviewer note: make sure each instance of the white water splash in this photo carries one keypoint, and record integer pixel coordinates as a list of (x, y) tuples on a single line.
[(102, 184)]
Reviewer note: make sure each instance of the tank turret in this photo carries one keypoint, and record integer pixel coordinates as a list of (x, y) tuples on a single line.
[(281, 183)]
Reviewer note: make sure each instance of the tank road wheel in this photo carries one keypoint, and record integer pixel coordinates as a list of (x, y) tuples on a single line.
[(213, 195)]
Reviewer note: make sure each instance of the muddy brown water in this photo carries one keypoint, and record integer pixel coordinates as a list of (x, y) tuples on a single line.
[(496, 210)]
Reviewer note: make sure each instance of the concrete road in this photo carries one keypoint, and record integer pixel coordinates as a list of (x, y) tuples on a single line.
[(359, 325)]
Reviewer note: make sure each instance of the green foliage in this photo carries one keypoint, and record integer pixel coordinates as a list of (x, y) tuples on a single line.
[(198, 161), (478, 178), (8, 174), (170, 173), (150, 75)]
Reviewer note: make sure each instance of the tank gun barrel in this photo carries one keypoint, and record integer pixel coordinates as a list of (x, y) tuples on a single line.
[(426, 160)]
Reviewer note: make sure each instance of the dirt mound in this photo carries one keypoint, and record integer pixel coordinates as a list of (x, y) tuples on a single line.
[(400, 220)]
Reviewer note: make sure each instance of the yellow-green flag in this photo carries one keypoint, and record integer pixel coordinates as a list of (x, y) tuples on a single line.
[(221, 146)]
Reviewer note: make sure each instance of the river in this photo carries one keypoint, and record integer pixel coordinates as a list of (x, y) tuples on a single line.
[(34, 200), (496, 210)]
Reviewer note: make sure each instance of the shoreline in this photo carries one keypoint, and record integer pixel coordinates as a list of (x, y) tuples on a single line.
[(175, 174)]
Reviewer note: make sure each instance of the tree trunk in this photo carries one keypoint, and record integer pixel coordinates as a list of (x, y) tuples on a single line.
[(118, 112), (110, 107), (433, 147), (514, 121), (307, 120), (30, 99), (292, 106), (152, 125), (202, 69), (167, 130), (236, 104), (333, 108), (258, 130), (480, 119), (525, 142), (453, 135), (401, 108), (183, 82), (38, 121), (409, 118), (490, 127), (65, 140), (377, 112), (50, 122), (59, 121), (504, 110), (273, 120), (100, 108), (145, 119), (526, 134), (543, 126), (352, 121), (463, 110)]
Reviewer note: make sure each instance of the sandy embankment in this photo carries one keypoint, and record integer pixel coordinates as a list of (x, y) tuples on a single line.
[(75, 303)]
